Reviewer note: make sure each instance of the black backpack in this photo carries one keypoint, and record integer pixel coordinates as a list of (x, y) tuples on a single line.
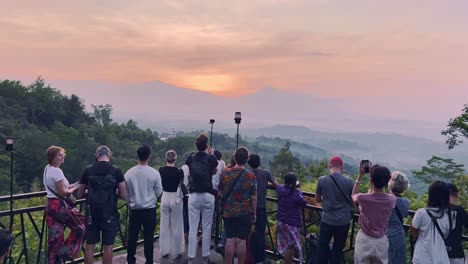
[(200, 175), (312, 241), (102, 197)]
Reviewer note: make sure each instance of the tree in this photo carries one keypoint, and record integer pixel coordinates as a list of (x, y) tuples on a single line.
[(457, 129), (439, 169), (462, 185), (284, 162), (318, 168), (102, 114)]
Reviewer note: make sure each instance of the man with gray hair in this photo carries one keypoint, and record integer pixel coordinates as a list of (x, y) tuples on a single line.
[(102, 180)]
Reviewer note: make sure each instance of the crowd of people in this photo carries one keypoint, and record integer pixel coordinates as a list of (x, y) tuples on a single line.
[(190, 196)]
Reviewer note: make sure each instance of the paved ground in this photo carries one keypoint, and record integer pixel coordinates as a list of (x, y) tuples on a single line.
[(122, 258)]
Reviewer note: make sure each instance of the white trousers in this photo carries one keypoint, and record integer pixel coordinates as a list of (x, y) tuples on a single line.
[(200, 204), (171, 230), (370, 250)]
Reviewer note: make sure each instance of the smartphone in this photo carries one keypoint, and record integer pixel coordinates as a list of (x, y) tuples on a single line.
[(366, 164)]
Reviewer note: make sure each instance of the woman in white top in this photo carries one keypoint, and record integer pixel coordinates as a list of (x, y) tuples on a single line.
[(430, 245), (60, 213)]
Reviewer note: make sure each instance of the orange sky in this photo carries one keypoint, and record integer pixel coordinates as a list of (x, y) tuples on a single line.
[(328, 48)]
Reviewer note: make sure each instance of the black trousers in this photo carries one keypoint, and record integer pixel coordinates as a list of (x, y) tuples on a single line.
[(139, 218), (339, 234)]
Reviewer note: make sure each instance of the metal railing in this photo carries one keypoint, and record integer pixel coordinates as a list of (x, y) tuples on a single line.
[(30, 240)]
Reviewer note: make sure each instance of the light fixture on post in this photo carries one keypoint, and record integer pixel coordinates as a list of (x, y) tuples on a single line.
[(237, 119), (10, 147), (211, 134)]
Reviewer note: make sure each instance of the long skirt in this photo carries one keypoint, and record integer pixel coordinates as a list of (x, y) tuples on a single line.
[(289, 236)]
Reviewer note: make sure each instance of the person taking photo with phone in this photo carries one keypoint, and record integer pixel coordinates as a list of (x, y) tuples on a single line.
[(375, 208)]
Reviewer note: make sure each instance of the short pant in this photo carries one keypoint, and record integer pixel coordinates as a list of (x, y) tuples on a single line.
[(238, 226)]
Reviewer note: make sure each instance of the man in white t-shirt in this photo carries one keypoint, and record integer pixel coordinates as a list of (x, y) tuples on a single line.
[(143, 189)]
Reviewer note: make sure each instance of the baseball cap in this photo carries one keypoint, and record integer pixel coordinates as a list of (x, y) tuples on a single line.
[(103, 151), (336, 159)]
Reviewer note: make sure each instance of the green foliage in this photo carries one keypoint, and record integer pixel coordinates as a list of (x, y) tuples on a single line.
[(318, 168), (457, 129), (439, 169), (284, 162), (462, 185)]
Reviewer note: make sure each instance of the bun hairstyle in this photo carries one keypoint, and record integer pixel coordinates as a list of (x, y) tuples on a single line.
[(171, 156), (398, 182)]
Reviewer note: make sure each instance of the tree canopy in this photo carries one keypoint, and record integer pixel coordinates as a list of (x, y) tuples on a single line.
[(457, 130)]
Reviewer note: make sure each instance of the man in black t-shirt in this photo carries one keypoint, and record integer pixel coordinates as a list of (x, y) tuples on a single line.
[(101, 180), (202, 166), (454, 241)]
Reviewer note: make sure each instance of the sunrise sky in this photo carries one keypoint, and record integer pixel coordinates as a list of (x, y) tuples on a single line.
[(415, 51)]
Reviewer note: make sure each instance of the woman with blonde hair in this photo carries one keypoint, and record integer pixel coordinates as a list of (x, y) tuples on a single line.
[(396, 233), (172, 228), (60, 211)]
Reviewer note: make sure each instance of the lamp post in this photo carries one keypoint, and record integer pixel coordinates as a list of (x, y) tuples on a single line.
[(237, 119), (211, 134), (9, 147)]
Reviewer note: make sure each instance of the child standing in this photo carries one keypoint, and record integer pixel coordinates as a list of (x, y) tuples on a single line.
[(290, 203)]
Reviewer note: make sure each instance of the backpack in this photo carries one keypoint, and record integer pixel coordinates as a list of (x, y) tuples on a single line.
[(200, 175), (102, 199), (312, 243)]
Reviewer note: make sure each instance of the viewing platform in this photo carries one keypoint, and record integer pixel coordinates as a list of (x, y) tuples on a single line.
[(30, 243)]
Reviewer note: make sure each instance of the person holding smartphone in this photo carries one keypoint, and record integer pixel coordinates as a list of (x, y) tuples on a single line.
[(375, 209)]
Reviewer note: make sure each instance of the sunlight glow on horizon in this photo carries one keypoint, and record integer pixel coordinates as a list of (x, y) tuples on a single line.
[(330, 49)]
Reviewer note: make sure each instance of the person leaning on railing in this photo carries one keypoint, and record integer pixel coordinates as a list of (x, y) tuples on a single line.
[(60, 211), (431, 226)]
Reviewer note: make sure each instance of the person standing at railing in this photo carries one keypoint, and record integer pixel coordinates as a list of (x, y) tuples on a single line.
[(396, 233), (238, 188), (172, 223), (334, 192), (60, 210), (455, 243), (6, 241), (263, 178), (290, 204), (202, 165), (431, 226), (143, 190), (375, 207), (104, 182)]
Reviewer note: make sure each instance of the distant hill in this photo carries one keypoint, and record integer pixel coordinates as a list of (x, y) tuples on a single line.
[(158, 105), (399, 151)]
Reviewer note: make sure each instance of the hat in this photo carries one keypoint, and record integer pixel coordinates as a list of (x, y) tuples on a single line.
[(337, 160), (103, 151)]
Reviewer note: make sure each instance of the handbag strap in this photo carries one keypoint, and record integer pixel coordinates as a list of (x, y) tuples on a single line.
[(231, 189), (47, 185), (436, 224), (341, 191)]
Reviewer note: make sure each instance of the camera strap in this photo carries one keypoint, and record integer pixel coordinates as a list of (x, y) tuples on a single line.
[(342, 193)]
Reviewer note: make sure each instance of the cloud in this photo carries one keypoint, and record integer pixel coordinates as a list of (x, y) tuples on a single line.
[(329, 48)]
